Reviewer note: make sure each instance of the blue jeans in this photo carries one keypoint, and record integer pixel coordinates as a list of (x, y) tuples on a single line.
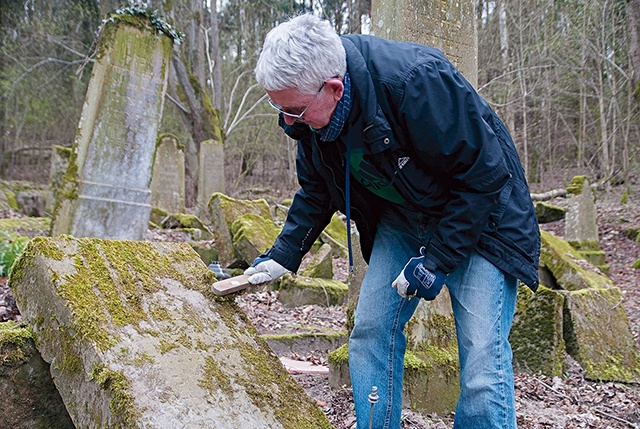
[(483, 300)]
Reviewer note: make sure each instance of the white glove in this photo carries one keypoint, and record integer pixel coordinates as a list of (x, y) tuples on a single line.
[(264, 270)]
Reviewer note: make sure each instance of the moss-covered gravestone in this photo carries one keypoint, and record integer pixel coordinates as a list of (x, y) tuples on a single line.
[(136, 338), (105, 191), (168, 181), (252, 235), (29, 399), (563, 267), (581, 228)]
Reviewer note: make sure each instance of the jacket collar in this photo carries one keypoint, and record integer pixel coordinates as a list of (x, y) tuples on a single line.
[(377, 133)]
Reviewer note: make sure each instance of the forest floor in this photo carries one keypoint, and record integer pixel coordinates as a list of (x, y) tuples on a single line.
[(569, 402)]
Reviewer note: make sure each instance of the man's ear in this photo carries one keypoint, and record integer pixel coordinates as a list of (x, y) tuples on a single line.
[(336, 88)]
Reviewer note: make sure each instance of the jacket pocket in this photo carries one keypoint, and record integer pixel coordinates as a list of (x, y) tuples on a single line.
[(496, 215)]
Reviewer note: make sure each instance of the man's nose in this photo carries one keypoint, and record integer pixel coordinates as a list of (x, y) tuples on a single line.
[(289, 120)]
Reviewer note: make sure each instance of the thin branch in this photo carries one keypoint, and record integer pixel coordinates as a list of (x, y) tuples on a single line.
[(177, 103), (231, 96), (73, 51), (236, 121)]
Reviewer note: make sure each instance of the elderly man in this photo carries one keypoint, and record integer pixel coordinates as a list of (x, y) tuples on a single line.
[(392, 135)]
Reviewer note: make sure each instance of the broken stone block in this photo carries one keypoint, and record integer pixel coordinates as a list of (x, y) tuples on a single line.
[(299, 290), (548, 213), (320, 265), (536, 334), (252, 235), (136, 338), (567, 268), (223, 211), (29, 397), (598, 336), (183, 221)]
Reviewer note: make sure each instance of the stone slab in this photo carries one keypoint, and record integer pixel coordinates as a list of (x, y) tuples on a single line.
[(136, 338)]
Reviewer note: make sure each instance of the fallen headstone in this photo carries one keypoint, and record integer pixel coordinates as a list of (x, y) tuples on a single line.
[(136, 338)]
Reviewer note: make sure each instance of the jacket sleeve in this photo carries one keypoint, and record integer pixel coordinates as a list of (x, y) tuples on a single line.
[(445, 121), (308, 215)]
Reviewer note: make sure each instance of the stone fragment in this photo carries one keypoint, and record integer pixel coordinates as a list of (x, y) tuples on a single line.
[(136, 338), (223, 211), (598, 336), (29, 399), (320, 264), (252, 235), (536, 335), (548, 213), (565, 266), (299, 290)]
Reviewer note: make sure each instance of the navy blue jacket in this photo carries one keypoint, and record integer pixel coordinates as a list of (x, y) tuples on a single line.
[(439, 144)]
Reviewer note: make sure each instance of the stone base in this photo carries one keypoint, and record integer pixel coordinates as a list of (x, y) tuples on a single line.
[(430, 379)]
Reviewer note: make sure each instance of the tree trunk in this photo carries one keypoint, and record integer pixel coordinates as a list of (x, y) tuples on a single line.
[(633, 12)]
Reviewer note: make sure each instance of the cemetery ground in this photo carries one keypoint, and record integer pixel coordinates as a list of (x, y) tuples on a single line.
[(570, 401)]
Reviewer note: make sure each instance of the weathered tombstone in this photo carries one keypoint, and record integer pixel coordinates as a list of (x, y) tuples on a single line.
[(136, 338), (599, 337), (447, 25), (581, 228), (106, 187), (210, 171), (168, 181)]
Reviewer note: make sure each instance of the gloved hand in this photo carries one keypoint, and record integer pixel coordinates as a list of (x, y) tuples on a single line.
[(416, 280), (264, 270)]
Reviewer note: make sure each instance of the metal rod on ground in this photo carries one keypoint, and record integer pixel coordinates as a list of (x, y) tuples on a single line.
[(373, 400)]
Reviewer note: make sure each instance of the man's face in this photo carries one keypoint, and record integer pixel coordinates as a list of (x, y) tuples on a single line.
[(316, 109)]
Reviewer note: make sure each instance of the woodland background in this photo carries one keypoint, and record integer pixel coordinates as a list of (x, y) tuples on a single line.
[(561, 73)]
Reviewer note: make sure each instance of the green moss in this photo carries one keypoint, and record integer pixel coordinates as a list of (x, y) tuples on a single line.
[(537, 335), (122, 402), (624, 198), (636, 264), (13, 338), (261, 232), (575, 187), (213, 379)]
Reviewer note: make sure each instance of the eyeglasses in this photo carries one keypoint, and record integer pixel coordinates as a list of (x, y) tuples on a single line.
[(296, 115)]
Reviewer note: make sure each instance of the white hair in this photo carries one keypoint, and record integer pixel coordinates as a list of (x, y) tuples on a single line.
[(302, 53)]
